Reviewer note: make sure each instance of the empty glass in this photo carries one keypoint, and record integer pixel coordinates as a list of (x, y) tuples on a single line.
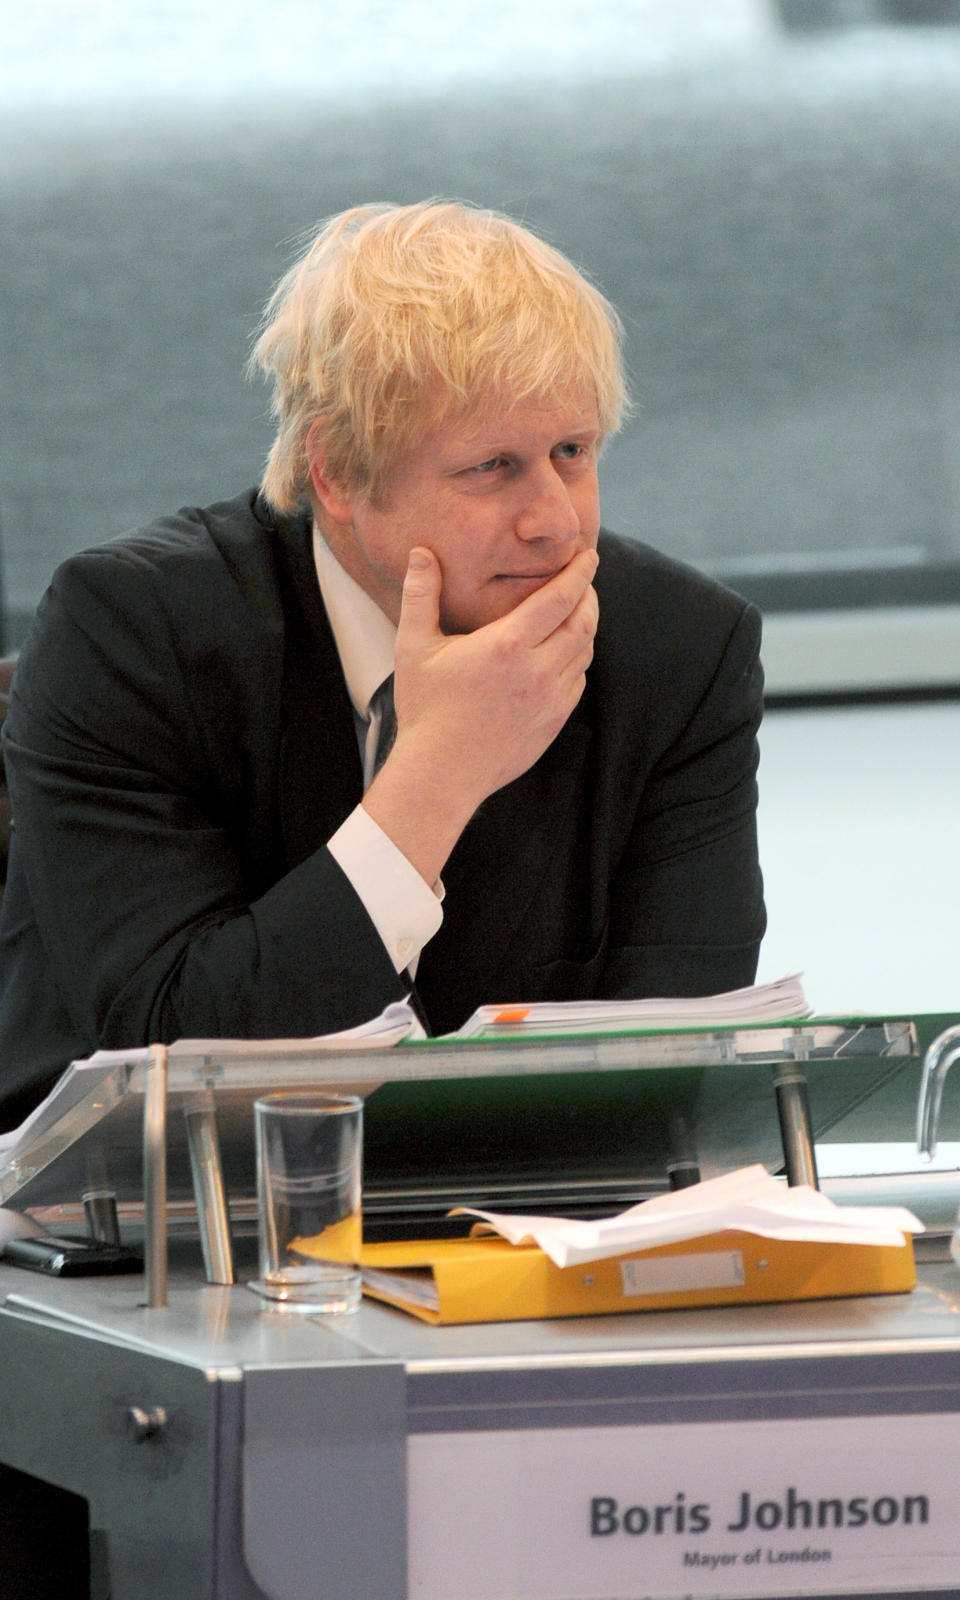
[(309, 1164)]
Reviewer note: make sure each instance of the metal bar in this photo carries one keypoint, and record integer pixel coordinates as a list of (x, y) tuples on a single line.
[(683, 1167), (155, 1176), (102, 1220), (209, 1189), (796, 1128)]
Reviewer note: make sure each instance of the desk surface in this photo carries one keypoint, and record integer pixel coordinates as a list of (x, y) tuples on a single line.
[(219, 1328)]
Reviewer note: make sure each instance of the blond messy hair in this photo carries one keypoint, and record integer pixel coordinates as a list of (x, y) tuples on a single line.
[(397, 318)]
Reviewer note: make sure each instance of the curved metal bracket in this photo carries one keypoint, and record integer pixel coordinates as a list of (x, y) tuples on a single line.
[(943, 1052)]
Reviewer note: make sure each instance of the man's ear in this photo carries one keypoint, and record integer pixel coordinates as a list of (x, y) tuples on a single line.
[(328, 493)]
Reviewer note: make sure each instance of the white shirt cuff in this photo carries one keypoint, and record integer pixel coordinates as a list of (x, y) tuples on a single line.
[(404, 909)]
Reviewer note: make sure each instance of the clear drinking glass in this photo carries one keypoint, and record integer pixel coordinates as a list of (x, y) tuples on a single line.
[(309, 1165)]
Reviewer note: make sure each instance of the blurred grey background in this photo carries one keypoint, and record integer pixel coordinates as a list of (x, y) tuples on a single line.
[(769, 192)]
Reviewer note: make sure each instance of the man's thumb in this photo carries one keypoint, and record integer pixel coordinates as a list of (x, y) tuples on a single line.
[(420, 604)]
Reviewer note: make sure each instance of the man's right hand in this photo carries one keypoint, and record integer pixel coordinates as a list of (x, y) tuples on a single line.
[(476, 710)]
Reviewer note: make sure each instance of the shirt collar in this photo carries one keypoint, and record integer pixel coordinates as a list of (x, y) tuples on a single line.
[(364, 636)]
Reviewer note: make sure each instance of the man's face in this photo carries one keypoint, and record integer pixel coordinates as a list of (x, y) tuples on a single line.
[(504, 497)]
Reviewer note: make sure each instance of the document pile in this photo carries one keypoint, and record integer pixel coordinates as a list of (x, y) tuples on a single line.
[(780, 1001), (743, 1237)]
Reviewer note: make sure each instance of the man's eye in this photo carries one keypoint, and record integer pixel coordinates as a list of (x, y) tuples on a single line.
[(489, 466), (569, 452)]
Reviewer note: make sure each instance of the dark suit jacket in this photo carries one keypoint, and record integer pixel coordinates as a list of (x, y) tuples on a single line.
[(180, 745)]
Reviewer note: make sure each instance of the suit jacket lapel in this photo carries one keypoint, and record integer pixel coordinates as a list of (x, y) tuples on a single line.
[(320, 775)]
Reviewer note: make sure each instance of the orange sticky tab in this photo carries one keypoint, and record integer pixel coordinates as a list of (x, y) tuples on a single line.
[(518, 1014)]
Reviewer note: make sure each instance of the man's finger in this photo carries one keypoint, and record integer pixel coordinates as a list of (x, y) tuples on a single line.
[(420, 601), (570, 647), (544, 611)]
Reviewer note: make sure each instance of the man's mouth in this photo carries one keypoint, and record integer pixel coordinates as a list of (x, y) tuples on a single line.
[(525, 577)]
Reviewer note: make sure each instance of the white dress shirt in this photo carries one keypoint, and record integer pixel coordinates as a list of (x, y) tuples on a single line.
[(403, 908)]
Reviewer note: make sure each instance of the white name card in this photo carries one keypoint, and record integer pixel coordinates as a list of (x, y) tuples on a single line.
[(803, 1507)]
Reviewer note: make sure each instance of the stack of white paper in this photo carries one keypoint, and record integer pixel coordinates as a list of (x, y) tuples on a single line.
[(397, 1022), (780, 1001), (749, 1200)]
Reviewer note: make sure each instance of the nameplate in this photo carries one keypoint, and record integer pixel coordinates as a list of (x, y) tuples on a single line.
[(837, 1506)]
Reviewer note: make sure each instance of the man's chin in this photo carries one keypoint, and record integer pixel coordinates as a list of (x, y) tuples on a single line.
[(470, 621), (451, 625), (502, 595)]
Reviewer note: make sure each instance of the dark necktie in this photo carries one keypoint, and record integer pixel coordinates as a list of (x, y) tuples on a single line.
[(383, 700)]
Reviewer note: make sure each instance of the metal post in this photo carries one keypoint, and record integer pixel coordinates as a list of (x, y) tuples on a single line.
[(796, 1130), (208, 1188), (683, 1167), (155, 1176), (102, 1220)]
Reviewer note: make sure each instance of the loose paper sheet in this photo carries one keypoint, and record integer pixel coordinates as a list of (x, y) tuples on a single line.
[(749, 1200)]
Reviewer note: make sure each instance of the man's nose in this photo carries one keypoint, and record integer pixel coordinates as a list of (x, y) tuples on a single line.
[(546, 511)]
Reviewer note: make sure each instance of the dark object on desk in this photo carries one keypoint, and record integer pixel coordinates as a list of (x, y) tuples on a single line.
[(71, 1258)]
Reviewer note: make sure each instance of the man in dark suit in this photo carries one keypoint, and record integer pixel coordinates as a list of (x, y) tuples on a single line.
[(216, 832)]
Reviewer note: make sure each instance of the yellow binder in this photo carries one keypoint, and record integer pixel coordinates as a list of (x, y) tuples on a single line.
[(489, 1280)]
